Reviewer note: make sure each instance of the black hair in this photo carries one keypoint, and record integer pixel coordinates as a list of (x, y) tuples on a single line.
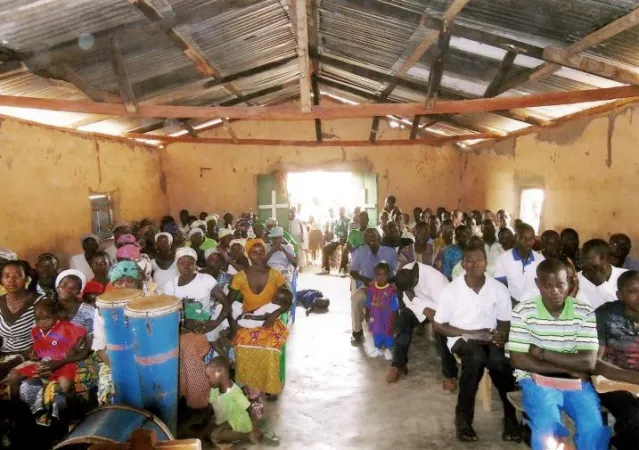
[(417, 208), (391, 198), (47, 255), (383, 266), (621, 237), (184, 211), (475, 244), (17, 264), (550, 266), (447, 222), (625, 278), (220, 362), (523, 228), (404, 279), (569, 231), (548, 233), (47, 304), (101, 254), (599, 246)]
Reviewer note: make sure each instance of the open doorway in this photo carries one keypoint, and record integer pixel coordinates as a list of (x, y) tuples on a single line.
[(318, 196), (531, 202)]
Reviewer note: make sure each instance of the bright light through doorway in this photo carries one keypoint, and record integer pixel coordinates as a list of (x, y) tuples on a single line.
[(531, 204), (315, 192)]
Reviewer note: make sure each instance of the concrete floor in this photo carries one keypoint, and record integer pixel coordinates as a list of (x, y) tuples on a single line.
[(337, 398)]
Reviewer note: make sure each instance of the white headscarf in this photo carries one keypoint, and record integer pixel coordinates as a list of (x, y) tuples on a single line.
[(169, 236), (185, 251), (66, 273), (196, 231)]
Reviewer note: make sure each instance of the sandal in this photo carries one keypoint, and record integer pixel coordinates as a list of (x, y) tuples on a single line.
[(512, 430), (465, 431)]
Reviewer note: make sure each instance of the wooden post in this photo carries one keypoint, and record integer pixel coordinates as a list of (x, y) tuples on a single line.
[(504, 67), (126, 91), (302, 54), (316, 102), (374, 127), (437, 66)]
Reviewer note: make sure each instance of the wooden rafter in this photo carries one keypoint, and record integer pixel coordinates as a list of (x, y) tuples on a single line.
[(316, 102), (327, 112), (452, 11), (302, 54), (437, 66), (117, 62), (597, 37), (502, 71), (67, 73), (592, 65)]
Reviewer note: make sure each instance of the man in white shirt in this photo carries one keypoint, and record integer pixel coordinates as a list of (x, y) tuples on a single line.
[(517, 267), (493, 248), (474, 312), (418, 287), (598, 278)]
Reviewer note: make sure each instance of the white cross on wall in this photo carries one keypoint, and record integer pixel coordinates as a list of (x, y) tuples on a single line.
[(273, 206)]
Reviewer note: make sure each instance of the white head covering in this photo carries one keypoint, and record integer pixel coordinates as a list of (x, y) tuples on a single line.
[(7, 254), (242, 242), (223, 233), (169, 236), (196, 231), (272, 222), (276, 232), (199, 223), (89, 236), (185, 251), (212, 217), (66, 273)]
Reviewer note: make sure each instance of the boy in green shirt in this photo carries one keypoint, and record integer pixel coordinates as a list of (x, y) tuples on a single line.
[(233, 418)]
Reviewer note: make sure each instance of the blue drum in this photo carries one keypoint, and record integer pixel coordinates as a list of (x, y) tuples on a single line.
[(155, 323), (114, 424), (119, 344)]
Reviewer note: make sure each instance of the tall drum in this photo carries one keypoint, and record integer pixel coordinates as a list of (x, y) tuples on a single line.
[(155, 323), (119, 344)]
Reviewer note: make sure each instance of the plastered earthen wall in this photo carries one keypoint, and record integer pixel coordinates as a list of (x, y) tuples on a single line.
[(47, 175)]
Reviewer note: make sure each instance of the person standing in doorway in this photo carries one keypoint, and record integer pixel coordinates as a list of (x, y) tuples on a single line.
[(299, 234), (340, 233)]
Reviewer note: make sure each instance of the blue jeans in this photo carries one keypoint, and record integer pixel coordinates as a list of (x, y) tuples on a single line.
[(544, 406)]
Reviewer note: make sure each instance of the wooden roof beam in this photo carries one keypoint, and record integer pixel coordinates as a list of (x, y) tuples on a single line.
[(126, 91), (326, 112), (592, 66), (437, 67), (597, 37), (453, 10), (67, 73), (502, 71), (302, 54)]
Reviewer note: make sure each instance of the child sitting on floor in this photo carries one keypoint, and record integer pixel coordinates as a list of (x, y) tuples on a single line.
[(54, 340), (382, 305), (233, 420)]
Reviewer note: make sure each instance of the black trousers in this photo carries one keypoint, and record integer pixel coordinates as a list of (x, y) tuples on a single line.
[(328, 251), (625, 408), (406, 323), (475, 358)]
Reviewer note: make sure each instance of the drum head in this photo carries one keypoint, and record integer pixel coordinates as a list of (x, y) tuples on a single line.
[(117, 298), (156, 305)]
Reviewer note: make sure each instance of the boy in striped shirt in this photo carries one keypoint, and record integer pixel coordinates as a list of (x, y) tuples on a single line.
[(553, 344)]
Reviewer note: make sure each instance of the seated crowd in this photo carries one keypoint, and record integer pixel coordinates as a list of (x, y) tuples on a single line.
[(543, 315), (235, 281)]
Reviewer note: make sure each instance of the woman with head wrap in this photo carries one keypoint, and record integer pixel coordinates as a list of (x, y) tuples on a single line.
[(82, 261), (211, 226), (69, 285), (196, 291), (164, 266), (258, 350)]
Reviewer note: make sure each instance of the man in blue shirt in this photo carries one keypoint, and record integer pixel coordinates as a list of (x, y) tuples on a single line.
[(365, 258)]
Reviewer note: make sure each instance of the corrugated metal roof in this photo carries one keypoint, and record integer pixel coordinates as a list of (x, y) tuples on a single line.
[(375, 35)]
